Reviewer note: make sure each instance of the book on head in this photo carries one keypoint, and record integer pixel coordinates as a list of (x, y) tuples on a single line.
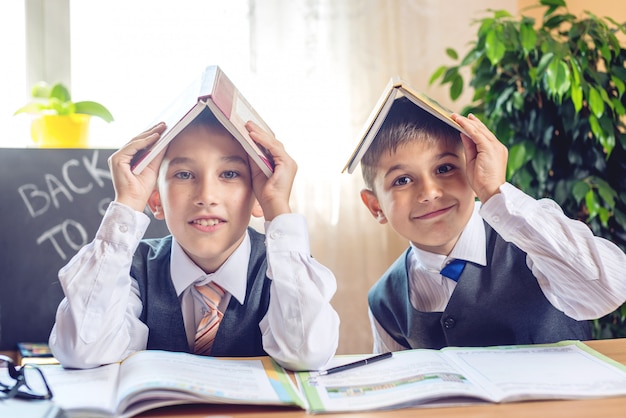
[(214, 91), (396, 88)]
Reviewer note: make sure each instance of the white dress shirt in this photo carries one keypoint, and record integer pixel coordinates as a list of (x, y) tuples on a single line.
[(98, 320), (580, 274)]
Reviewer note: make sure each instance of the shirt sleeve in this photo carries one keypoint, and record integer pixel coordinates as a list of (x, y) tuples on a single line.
[(301, 328), (579, 273), (383, 342), (98, 320)]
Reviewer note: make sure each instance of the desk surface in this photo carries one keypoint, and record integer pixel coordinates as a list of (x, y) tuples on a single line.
[(606, 407)]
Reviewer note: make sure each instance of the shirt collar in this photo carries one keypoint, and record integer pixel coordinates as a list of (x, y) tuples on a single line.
[(471, 246), (231, 276)]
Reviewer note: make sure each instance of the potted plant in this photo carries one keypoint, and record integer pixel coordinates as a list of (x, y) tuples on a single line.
[(554, 92), (59, 122)]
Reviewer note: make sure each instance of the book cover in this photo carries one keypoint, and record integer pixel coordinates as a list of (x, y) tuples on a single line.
[(396, 87), (213, 90), (34, 353)]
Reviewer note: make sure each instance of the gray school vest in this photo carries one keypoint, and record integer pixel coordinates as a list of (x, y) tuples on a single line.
[(238, 334), (500, 304)]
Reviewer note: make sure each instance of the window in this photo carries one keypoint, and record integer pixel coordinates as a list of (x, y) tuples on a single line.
[(133, 57), (13, 80), (136, 56)]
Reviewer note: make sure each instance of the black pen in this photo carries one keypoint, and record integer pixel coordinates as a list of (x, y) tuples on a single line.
[(355, 364)]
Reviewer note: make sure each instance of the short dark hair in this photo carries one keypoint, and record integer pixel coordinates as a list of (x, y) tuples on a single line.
[(207, 118), (406, 122)]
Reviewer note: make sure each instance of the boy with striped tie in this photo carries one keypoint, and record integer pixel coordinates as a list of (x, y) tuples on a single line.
[(214, 286)]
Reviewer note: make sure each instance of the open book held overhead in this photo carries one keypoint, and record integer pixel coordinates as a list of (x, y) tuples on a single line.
[(395, 88), (213, 91)]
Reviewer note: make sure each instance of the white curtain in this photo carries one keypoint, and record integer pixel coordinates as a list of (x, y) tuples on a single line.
[(324, 64)]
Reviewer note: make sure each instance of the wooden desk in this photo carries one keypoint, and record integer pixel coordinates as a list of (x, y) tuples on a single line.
[(605, 408), (12, 354)]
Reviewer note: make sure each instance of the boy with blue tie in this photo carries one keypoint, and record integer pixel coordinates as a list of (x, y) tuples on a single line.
[(523, 272)]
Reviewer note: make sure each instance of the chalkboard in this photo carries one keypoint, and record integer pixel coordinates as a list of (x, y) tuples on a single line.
[(51, 204)]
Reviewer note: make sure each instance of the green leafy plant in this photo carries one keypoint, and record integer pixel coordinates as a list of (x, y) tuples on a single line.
[(56, 100), (553, 92)]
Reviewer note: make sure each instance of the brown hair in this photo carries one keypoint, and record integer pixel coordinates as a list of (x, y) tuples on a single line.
[(406, 122)]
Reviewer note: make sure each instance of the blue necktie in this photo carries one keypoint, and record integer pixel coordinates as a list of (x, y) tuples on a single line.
[(454, 269)]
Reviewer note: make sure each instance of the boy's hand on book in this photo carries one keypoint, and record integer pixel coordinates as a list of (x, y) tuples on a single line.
[(130, 189), (273, 192), (486, 157)]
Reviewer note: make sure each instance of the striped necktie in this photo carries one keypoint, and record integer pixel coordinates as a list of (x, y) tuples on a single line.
[(453, 269), (211, 294)]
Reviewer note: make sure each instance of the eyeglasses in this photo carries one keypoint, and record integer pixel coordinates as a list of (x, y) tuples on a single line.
[(27, 382)]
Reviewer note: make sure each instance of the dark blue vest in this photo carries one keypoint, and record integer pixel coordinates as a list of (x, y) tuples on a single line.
[(238, 335), (500, 304)]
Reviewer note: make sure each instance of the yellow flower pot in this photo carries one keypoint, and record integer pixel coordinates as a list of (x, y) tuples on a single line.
[(61, 131)]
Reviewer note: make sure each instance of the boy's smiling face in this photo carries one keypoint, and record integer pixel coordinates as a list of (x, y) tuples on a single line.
[(422, 191), (205, 195)]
